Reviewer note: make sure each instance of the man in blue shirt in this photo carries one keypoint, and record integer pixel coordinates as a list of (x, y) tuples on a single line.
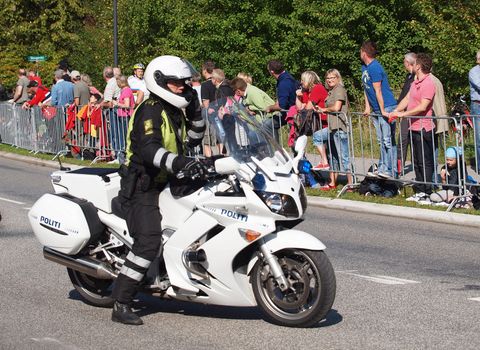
[(62, 91), (474, 81), (286, 87), (379, 99)]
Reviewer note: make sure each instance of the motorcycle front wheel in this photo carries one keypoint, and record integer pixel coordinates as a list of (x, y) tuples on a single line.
[(311, 293), (95, 291)]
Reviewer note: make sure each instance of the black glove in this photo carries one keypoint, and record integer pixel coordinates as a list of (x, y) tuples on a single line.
[(195, 169)]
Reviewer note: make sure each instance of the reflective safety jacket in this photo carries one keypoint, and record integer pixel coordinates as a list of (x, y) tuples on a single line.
[(156, 133)]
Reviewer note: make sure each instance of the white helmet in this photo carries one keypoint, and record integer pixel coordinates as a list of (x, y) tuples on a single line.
[(164, 68)]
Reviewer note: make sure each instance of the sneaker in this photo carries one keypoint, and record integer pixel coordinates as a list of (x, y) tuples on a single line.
[(321, 166), (441, 204), (316, 186), (416, 197), (425, 201)]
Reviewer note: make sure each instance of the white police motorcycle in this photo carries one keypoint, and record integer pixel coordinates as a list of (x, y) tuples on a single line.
[(231, 242)]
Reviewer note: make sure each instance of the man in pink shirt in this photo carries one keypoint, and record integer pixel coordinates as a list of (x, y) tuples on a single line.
[(419, 102)]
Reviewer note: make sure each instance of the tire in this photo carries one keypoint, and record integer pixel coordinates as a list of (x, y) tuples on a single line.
[(299, 307), (94, 291)]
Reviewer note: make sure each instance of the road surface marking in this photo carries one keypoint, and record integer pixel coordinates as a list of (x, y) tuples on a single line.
[(11, 201), (383, 279), (27, 208), (474, 299)]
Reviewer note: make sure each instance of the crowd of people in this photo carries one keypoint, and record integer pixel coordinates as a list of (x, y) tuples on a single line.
[(311, 107)]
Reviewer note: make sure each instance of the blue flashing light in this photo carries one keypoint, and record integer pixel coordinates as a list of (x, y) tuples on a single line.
[(259, 182), (304, 166)]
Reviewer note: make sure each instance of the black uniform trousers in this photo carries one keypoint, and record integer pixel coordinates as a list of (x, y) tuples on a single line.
[(144, 224)]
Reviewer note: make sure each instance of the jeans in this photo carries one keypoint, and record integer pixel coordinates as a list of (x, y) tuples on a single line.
[(475, 111), (320, 137), (340, 139), (386, 139)]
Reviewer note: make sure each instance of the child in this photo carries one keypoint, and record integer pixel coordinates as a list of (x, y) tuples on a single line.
[(451, 174)]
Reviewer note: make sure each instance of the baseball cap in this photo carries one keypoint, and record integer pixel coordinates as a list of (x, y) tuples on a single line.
[(75, 74), (451, 152)]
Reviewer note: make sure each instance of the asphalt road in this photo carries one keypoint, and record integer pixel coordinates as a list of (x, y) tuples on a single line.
[(401, 284)]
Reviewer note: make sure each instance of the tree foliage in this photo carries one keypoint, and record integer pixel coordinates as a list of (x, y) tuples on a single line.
[(244, 35)]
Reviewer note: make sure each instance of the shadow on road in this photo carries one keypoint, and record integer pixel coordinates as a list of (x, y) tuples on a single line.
[(146, 304)]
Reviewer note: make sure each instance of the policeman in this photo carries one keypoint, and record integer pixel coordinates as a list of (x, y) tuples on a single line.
[(155, 144)]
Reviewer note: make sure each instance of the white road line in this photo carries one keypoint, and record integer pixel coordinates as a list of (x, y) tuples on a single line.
[(383, 279), (11, 201), (474, 299), (27, 208)]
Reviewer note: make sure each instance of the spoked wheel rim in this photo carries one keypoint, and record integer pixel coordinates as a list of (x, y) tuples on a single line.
[(304, 293)]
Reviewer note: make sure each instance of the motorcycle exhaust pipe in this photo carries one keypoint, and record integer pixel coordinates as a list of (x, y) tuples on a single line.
[(85, 265)]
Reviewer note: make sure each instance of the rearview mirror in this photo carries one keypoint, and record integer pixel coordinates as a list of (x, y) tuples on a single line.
[(227, 165)]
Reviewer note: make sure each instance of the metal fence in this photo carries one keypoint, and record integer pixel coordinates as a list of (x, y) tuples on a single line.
[(353, 143)]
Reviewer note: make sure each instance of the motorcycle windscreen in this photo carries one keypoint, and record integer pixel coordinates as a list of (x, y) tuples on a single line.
[(241, 133)]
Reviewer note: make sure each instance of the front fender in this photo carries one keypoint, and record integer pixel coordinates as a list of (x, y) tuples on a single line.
[(277, 241)]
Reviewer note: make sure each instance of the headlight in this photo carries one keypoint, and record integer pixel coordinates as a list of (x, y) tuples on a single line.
[(278, 203)]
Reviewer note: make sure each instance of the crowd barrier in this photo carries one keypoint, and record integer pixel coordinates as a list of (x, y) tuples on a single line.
[(100, 134)]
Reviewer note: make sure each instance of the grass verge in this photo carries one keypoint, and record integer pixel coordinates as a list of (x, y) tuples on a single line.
[(65, 159), (397, 200)]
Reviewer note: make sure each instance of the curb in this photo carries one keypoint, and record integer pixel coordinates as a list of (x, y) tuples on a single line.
[(396, 211), (35, 161), (329, 203)]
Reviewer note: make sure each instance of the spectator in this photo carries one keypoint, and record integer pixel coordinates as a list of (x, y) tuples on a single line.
[(21, 94), (441, 123), (112, 91), (404, 137), (221, 84), (286, 96), (222, 90), (474, 82), (379, 99), (93, 90), (31, 75), (451, 175), (62, 91), (312, 94), (197, 86), (137, 84), (246, 77), (125, 105), (419, 102), (253, 98), (81, 91), (40, 94), (337, 101), (208, 90)]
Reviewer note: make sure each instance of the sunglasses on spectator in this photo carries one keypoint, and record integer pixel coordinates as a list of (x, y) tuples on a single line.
[(330, 78)]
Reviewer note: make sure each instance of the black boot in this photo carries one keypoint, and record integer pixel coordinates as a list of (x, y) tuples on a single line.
[(123, 313)]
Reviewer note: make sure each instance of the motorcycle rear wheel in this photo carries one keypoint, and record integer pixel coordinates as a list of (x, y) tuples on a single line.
[(94, 291), (311, 293)]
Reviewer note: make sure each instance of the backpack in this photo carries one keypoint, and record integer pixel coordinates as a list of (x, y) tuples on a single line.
[(378, 187), (306, 122)]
